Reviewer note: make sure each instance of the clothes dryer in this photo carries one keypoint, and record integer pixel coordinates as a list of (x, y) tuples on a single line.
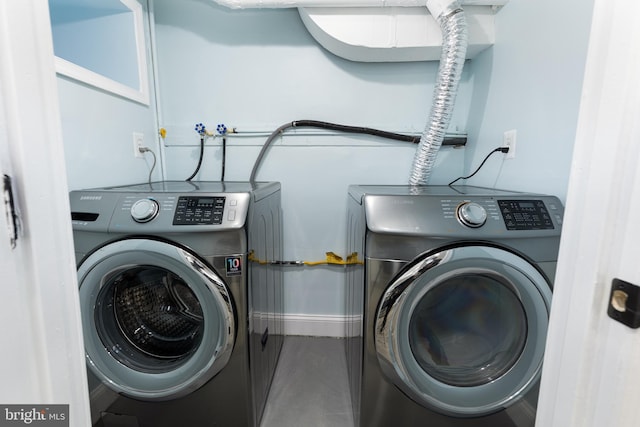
[(180, 327), (454, 299)]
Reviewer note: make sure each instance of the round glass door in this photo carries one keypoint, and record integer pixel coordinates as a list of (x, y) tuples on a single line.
[(158, 322), (462, 329), (468, 330), (151, 315)]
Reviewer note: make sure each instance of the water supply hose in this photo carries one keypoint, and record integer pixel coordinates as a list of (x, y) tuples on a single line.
[(325, 125), (452, 20)]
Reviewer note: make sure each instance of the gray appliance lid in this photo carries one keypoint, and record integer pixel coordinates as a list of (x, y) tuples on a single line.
[(359, 191), (195, 186)]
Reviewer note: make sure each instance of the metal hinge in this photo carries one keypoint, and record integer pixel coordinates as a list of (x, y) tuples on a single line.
[(13, 224)]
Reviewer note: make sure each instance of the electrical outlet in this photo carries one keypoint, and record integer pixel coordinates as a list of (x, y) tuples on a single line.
[(138, 142), (509, 140)]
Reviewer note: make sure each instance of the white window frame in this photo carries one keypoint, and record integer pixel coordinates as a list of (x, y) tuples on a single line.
[(139, 94)]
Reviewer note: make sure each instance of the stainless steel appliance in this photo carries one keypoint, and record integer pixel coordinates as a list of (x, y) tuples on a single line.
[(451, 306), (181, 328)]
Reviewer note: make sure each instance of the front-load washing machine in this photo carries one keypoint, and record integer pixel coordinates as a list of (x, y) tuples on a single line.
[(180, 327), (451, 306)]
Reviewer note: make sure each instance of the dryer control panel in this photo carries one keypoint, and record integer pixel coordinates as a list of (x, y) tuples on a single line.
[(525, 215), (458, 213)]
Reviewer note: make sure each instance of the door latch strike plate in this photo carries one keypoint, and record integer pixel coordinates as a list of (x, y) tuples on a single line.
[(624, 303)]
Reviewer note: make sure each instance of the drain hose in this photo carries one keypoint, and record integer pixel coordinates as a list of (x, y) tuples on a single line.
[(454, 48)]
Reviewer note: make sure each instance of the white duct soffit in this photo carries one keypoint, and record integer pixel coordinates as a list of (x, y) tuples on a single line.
[(383, 30), (397, 34), (252, 4)]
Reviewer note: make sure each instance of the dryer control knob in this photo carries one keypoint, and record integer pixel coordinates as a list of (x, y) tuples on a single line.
[(471, 214), (144, 210)]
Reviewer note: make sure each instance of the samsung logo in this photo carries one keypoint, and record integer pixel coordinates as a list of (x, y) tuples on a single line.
[(90, 198)]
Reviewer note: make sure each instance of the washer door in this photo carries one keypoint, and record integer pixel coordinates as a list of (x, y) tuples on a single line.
[(462, 329), (158, 322)]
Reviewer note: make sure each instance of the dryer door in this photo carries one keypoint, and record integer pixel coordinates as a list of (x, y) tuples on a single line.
[(462, 329), (157, 321)]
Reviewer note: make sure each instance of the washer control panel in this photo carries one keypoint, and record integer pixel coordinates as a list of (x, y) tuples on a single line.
[(170, 212), (169, 207), (191, 210)]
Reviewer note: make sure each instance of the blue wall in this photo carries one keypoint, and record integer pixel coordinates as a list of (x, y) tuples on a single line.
[(97, 130), (257, 69), (531, 81), (98, 126)]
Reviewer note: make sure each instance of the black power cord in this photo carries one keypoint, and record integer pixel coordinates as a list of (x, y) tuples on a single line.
[(499, 149)]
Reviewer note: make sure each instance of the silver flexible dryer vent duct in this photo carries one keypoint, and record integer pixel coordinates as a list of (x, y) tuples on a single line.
[(454, 48)]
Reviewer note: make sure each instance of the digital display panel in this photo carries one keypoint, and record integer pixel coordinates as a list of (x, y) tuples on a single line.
[(525, 215), (199, 210)]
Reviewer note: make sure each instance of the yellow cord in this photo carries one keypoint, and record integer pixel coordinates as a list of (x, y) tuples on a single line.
[(331, 259), (252, 257), (335, 259)]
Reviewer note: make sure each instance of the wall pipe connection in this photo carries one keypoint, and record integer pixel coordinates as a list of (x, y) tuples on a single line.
[(452, 20), (453, 23), (453, 141)]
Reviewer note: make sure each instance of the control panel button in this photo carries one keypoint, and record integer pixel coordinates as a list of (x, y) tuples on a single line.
[(471, 214), (144, 210)]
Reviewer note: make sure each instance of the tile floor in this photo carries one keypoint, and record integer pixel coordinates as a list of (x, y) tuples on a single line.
[(310, 386)]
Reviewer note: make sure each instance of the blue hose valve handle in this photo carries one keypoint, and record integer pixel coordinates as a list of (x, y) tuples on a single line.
[(200, 129), (222, 129)]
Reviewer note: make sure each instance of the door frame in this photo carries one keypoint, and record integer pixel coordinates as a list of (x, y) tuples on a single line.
[(591, 364), (42, 294)]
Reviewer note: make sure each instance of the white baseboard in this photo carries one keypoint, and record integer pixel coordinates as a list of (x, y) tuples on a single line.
[(324, 325)]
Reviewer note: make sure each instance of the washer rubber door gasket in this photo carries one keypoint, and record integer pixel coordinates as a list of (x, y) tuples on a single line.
[(183, 337)]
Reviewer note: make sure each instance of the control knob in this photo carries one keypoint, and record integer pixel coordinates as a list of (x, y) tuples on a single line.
[(471, 214), (144, 210)]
